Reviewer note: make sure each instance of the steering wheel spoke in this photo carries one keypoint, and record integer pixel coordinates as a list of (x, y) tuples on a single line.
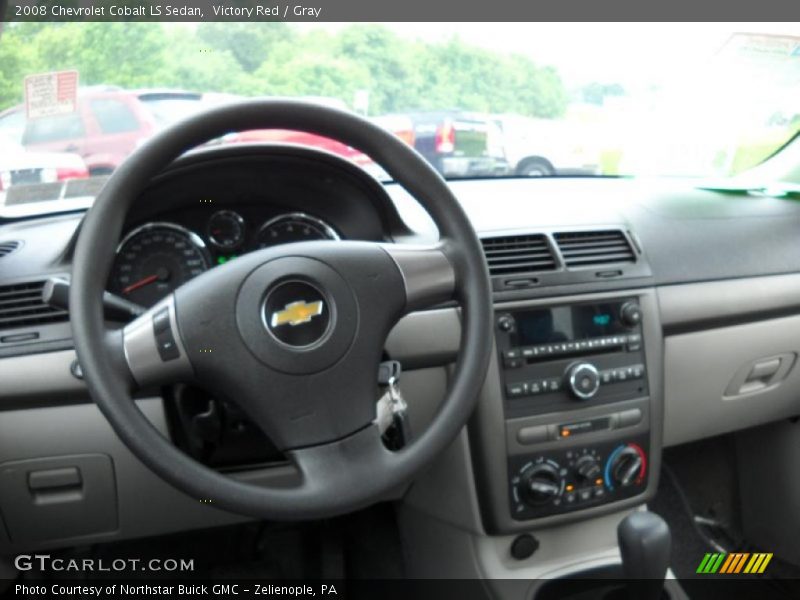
[(428, 274), (153, 347)]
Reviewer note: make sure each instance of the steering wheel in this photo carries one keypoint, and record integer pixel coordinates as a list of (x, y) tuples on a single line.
[(294, 334)]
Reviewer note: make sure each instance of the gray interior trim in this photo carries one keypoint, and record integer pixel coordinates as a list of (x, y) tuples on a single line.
[(38, 376), (695, 303), (146, 505), (701, 366), (426, 338)]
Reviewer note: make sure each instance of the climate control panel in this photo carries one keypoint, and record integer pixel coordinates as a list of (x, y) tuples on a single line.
[(575, 478)]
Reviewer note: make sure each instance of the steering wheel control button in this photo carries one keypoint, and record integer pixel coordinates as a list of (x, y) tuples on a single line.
[(297, 314), (165, 341), (161, 321)]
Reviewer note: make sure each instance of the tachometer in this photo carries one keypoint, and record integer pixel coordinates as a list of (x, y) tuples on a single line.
[(226, 229), (293, 227), (154, 260)]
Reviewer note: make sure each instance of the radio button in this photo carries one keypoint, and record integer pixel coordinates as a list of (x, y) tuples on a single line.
[(535, 387), (607, 376), (634, 342), (638, 371), (515, 390)]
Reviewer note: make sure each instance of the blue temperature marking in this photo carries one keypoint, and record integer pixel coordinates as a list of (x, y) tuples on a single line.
[(610, 460)]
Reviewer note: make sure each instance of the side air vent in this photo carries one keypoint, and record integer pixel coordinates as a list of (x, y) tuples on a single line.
[(7, 248), (514, 254), (21, 305), (592, 248)]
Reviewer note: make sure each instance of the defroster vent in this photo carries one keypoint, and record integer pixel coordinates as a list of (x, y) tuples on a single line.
[(7, 248)]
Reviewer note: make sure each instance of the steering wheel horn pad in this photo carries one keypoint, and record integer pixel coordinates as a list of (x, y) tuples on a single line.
[(312, 390)]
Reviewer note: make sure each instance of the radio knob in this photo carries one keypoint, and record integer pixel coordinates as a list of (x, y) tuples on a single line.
[(540, 484), (505, 323), (587, 468), (583, 380), (630, 314)]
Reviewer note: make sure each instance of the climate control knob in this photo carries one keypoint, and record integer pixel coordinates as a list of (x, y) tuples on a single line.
[(583, 380), (539, 484), (587, 468), (626, 466)]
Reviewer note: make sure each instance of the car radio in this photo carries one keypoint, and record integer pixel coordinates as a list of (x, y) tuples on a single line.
[(555, 357), (555, 362)]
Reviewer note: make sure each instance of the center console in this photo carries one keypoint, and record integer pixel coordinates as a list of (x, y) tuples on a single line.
[(577, 387)]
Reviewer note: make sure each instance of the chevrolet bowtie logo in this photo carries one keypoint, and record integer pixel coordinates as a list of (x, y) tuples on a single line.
[(296, 313)]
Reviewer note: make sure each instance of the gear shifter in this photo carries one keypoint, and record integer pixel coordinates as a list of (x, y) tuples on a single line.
[(644, 543)]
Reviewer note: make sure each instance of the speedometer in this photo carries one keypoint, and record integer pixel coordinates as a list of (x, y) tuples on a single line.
[(154, 260), (293, 227)]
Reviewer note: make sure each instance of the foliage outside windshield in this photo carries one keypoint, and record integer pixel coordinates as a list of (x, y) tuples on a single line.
[(476, 100)]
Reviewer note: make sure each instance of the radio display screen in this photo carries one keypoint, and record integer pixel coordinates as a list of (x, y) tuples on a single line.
[(566, 323)]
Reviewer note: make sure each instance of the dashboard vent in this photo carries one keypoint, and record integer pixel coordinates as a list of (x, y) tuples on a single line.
[(21, 305), (513, 254), (592, 248), (7, 248)]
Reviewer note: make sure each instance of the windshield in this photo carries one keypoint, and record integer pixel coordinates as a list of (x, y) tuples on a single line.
[(474, 99)]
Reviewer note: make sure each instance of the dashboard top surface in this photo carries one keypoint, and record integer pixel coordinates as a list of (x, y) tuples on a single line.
[(687, 234)]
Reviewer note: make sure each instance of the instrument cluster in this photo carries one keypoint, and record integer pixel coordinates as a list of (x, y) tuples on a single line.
[(157, 257)]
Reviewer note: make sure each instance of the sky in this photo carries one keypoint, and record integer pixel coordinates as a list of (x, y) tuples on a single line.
[(633, 54)]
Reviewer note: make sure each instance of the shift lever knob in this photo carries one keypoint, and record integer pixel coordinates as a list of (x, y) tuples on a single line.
[(644, 543)]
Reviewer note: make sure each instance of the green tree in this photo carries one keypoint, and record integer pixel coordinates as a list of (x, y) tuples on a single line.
[(18, 59), (249, 43)]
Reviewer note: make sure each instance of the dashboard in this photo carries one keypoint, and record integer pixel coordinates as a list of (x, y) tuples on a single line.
[(601, 358)]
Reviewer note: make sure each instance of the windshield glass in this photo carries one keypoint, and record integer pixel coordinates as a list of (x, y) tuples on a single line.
[(474, 99)]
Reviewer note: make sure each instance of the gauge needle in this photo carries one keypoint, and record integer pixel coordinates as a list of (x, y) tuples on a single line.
[(140, 283)]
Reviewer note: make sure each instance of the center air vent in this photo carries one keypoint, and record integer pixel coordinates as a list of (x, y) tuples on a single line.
[(7, 248), (21, 305), (514, 254), (592, 248)]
